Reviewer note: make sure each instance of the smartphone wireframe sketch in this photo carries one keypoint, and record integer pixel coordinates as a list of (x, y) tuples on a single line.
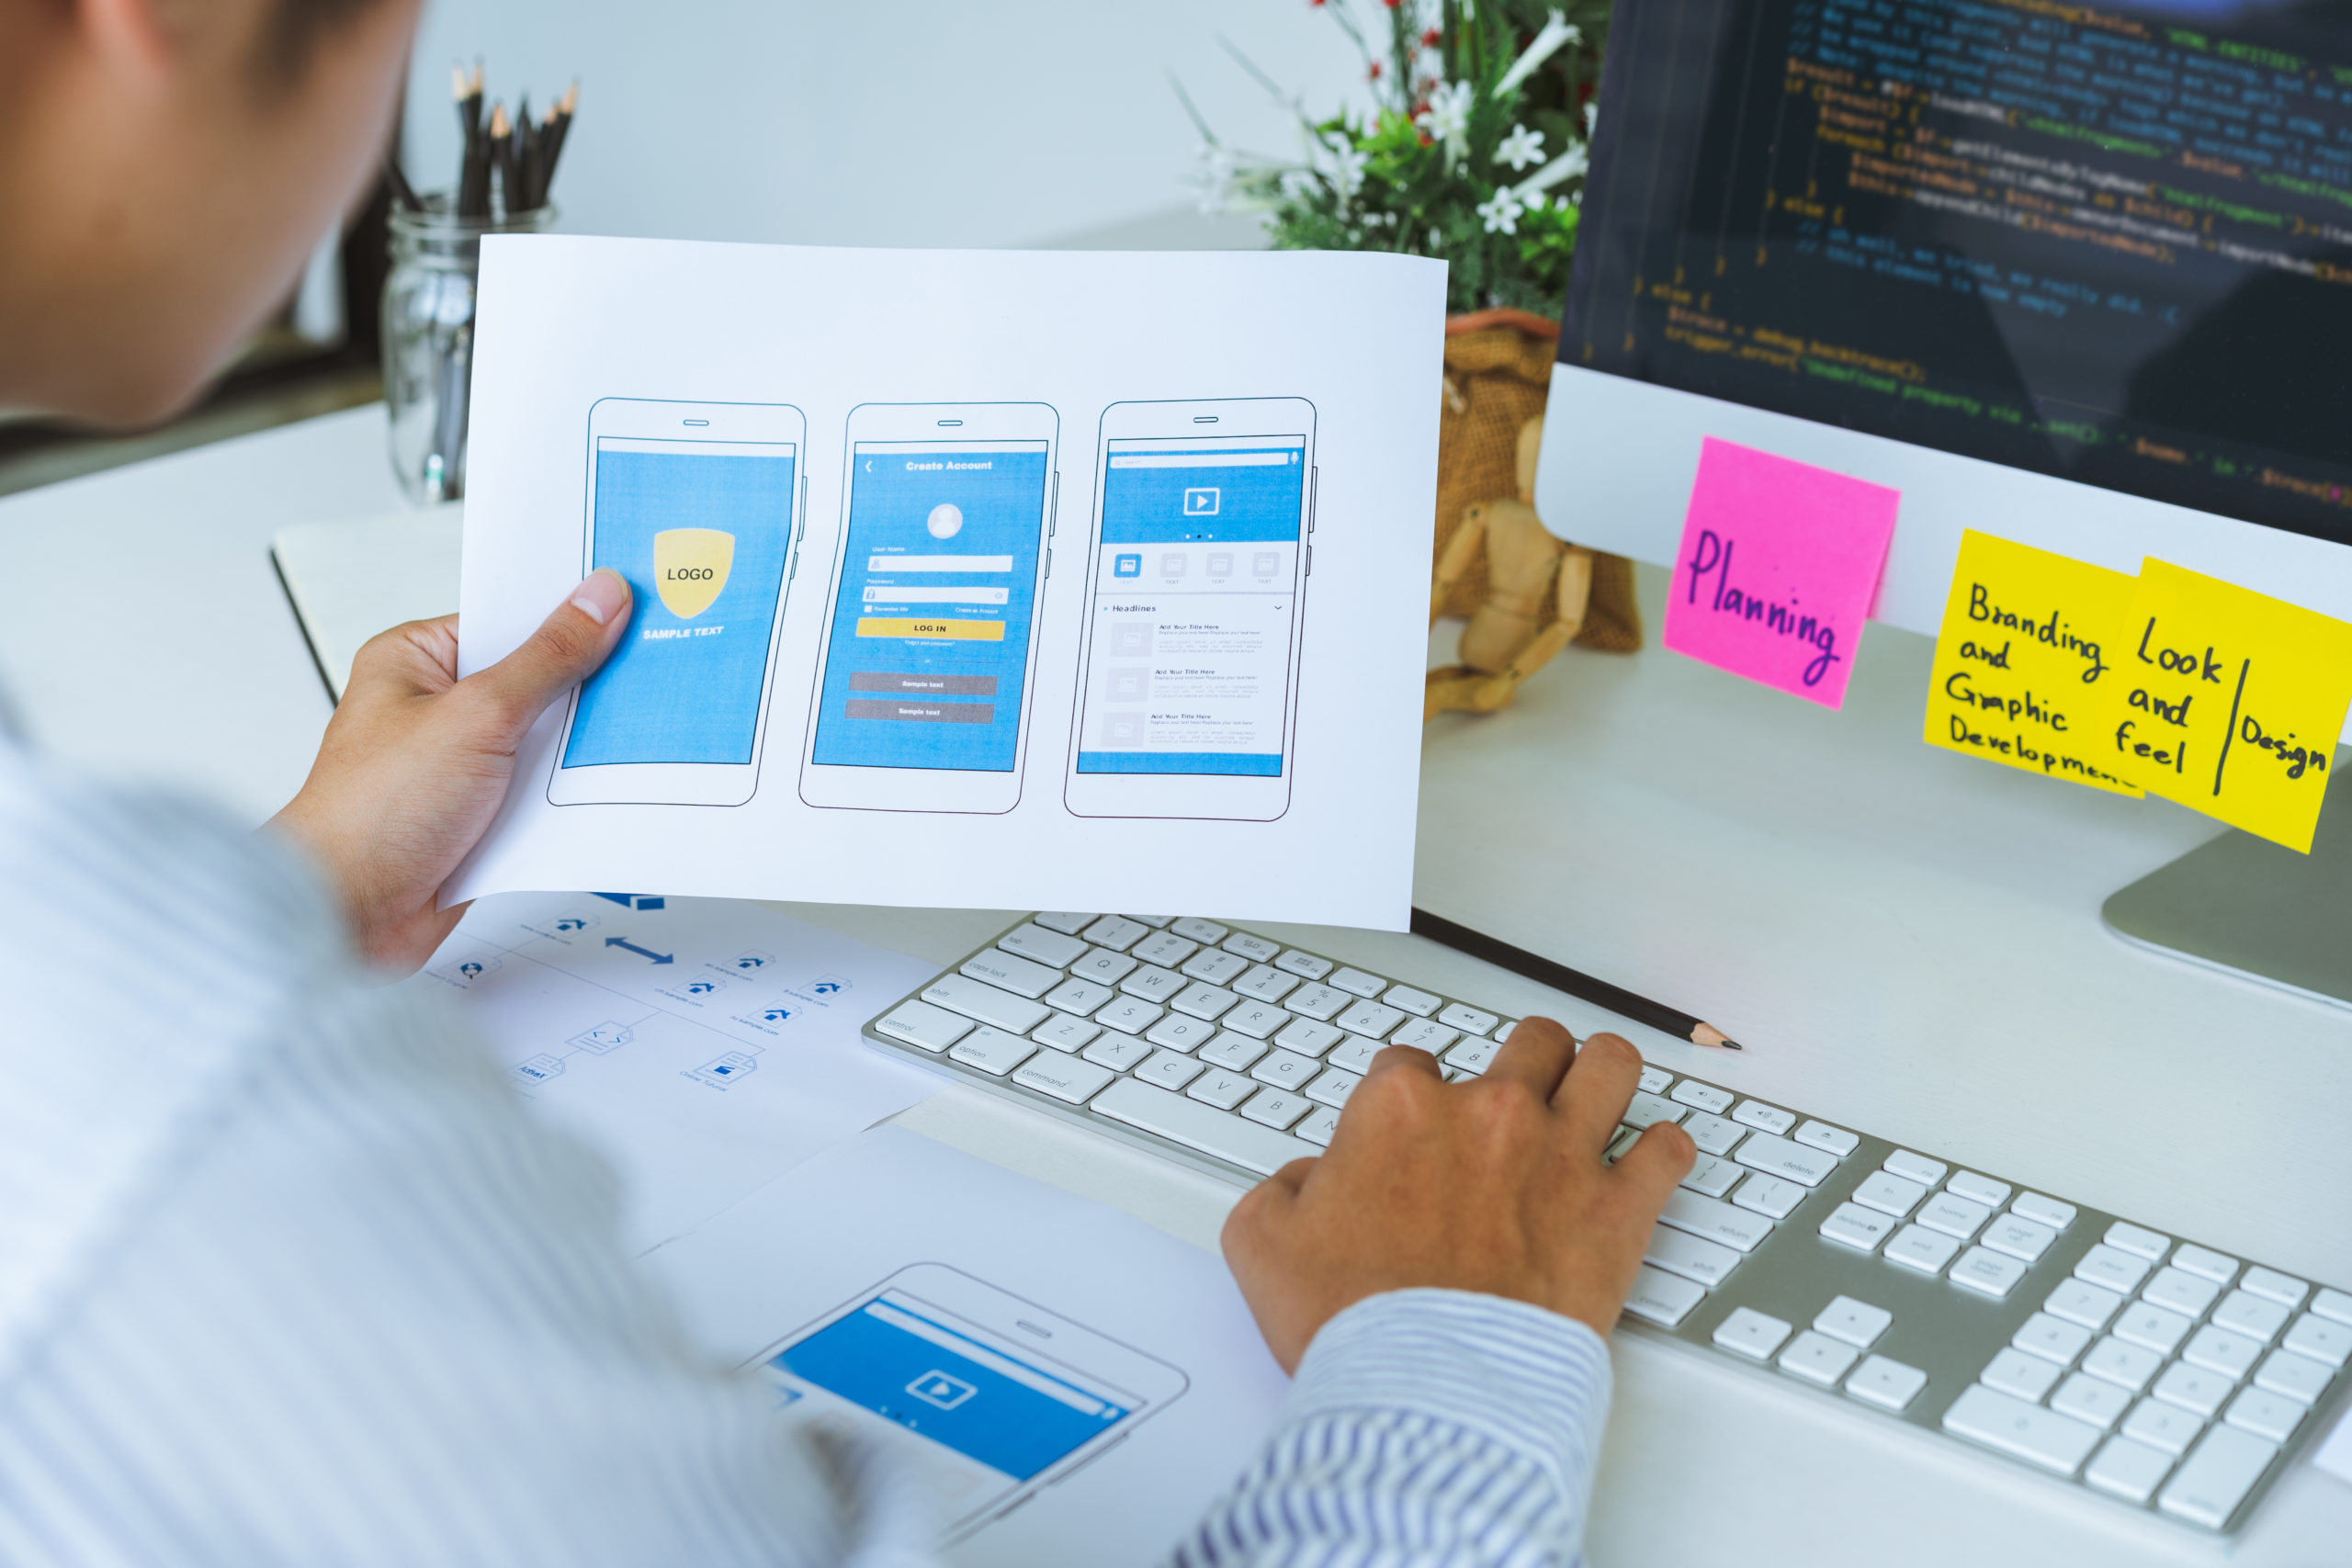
[(922, 699), (993, 1397), (698, 506), (1196, 570)]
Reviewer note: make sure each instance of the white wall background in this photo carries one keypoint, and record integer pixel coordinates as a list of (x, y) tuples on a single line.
[(883, 123)]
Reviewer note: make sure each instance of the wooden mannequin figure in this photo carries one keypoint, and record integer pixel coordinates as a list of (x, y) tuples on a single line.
[(1537, 591)]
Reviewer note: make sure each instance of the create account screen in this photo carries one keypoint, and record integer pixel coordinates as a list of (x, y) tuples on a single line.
[(931, 630)]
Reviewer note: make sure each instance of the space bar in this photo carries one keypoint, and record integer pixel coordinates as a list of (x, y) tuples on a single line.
[(1201, 1127)]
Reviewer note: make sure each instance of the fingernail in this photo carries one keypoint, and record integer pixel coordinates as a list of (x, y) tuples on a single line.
[(601, 595)]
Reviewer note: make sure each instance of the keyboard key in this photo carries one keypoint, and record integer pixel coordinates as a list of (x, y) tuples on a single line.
[(2180, 1290), (1987, 1273), (1315, 1001), (2205, 1263), (1857, 1227), (922, 1026), (2266, 1414), (2162, 1426), (2023, 1431), (1424, 1035), (1915, 1247), (2156, 1327), (1181, 1033), (1473, 1056), (1711, 1174), (2023, 1239), (2118, 1270), (1276, 1107), (1356, 983), (1779, 1157), (2250, 1316), (1978, 1189), (1769, 1195), (1332, 1087), (1064, 1033), (1034, 942), (2333, 1305), (1221, 1088), (1266, 984), (2297, 1377), (2015, 1372), (2193, 1389), (1078, 995), (2319, 1339), (2222, 1351), (1764, 1118), (960, 993), (1214, 966), (1662, 1298), (1916, 1167), (1285, 1069), (1305, 964), (1165, 948), (1318, 1126), (1953, 1217), (1822, 1135), (1715, 1219), (1646, 1109), (2271, 1285), (1118, 1051), (2128, 1470), (1064, 921), (1201, 999), (1103, 966), (2087, 1398), (1171, 1070), (1256, 949), (1752, 1334), (1116, 933), (2208, 1489), (1713, 1134), (1184, 1119), (1420, 1004), (1257, 1020), (1206, 932), (1693, 1257), (2051, 1339), (1501, 1032), (2079, 1301), (1129, 1015), (992, 1051), (2043, 1210), (2138, 1240), (1154, 984), (1705, 1097), (2125, 1366), (1655, 1080), (1369, 1018), (1817, 1358), (1888, 1194), (1355, 1052), (1890, 1385), (1154, 922), (1234, 1052), (1859, 1324), (1064, 1077), (1308, 1037), (1468, 1020)]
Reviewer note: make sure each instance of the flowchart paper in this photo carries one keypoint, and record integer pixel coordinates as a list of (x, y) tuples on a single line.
[(1011, 580), (707, 1047), (2032, 643), (1779, 564), (941, 1269), (2231, 702)]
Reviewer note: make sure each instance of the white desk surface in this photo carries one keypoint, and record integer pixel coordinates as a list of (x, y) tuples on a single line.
[(1908, 941)]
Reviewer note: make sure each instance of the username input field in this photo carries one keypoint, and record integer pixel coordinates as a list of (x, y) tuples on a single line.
[(939, 563), (936, 595)]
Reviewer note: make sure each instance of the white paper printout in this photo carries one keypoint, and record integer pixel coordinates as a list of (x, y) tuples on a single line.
[(867, 1212), (1108, 589), (706, 1047)]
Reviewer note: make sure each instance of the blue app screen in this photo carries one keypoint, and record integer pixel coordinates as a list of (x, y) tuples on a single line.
[(903, 1360), (701, 530), (930, 645), (1194, 604)]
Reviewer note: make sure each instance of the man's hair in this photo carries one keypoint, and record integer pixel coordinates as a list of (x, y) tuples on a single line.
[(291, 32)]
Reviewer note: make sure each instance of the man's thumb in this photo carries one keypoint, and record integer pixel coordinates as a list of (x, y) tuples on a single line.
[(565, 650)]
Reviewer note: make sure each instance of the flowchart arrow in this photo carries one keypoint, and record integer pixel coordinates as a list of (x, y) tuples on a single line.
[(641, 951)]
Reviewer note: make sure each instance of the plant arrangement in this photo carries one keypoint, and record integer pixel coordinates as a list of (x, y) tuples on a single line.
[(1476, 152)]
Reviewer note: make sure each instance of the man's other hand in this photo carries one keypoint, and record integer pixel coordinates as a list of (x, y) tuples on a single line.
[(415, 762), (1495, 1185)]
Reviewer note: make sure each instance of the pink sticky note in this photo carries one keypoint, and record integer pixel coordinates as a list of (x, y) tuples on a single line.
[(1778, 566)]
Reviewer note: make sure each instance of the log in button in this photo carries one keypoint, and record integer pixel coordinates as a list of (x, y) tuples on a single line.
[(926, 626), (924, 713)]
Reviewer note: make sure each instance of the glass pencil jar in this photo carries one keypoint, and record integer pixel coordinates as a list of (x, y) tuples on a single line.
[(428, 338)]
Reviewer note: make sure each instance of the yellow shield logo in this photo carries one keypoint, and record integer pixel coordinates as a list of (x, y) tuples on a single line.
[(690, 567)]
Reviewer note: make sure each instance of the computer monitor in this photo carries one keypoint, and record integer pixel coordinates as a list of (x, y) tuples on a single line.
[(2078, 273)]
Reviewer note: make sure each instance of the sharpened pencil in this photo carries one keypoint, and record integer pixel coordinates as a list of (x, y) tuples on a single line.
[(1576, 982)]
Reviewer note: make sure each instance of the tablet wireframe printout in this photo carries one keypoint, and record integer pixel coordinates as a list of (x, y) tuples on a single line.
[(1048, 579)]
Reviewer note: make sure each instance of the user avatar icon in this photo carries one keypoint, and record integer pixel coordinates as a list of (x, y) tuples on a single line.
[(946, 520)]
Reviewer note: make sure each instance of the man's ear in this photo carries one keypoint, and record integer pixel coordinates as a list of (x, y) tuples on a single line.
[(130, 35)]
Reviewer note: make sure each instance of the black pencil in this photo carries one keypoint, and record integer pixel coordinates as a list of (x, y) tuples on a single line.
[(1576, 982), (403, 191)]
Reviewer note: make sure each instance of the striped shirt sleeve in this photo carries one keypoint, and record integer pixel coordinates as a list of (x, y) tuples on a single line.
[(1426, 1427)]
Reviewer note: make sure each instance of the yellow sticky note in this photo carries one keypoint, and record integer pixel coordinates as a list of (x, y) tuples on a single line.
[(2229, 702), (2029, 647)]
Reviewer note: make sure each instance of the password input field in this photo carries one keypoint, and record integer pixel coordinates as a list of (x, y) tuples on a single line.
[(939, 563), (935, 595)]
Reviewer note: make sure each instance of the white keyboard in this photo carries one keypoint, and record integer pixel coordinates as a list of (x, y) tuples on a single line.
[(2157, 1372)]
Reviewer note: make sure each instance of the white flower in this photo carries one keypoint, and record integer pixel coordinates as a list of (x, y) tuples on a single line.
[(1448, 116), (1346, 172), (1298, 184), (1565, 167), (1213, 179), (1521, 146), (1555, 32), (1591, 113), (1501, 211)]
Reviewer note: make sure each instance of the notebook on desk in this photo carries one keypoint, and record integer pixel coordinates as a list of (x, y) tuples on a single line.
[(346, 581)]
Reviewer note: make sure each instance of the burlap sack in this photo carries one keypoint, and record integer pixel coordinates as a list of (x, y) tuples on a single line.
[(1497, 366)]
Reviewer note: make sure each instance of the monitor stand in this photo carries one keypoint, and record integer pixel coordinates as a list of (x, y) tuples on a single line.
[(2251, 908)]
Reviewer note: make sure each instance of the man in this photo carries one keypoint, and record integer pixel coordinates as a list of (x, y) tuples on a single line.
[(286, 1276)]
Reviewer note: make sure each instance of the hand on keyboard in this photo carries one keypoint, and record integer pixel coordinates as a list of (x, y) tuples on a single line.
[(1496, 1185)]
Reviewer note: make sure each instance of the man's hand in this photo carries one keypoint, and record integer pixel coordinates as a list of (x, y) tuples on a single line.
[(1495, 1185), (415, 762)]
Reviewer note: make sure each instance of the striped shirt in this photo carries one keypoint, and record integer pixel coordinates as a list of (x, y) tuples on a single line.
[(288, 1276)]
